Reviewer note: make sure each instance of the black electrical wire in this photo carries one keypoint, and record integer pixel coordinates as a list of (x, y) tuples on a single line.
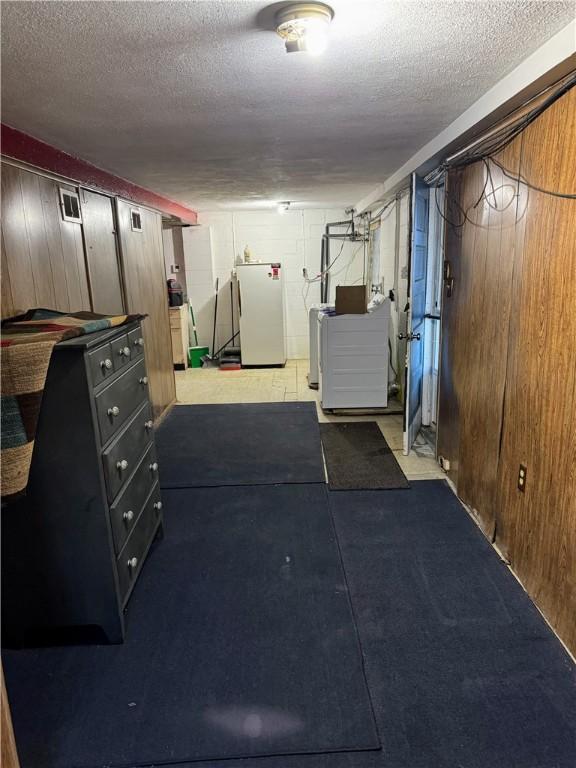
[(381, 211), (518, 179), (483, 193), (453, 224), (390, 359), (501, 139), (521, 180)]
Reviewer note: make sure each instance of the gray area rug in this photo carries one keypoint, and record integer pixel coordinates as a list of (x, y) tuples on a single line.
[(358, 458)]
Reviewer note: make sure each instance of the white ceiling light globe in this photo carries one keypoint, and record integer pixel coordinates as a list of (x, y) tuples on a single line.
[(316, 37)]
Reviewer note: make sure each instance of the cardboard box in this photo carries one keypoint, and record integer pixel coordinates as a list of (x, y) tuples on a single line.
[(351, 300)]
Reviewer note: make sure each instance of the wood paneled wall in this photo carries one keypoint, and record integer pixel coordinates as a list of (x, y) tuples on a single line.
[(43, 261), (508, 370), (8, 752), (99, 227), (145, 281), (49, 262)]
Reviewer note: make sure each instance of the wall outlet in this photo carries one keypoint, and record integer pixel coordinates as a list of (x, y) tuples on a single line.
[(522, 478), (175, 268)]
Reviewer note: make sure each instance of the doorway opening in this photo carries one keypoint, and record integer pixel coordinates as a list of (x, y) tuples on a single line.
[(423, 318), (433, 315)]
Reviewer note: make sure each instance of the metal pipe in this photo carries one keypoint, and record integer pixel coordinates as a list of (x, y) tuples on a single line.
[(325, 263), (215, 318), (232, 306)]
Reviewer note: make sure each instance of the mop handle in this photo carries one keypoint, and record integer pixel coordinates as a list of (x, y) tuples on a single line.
[(193, 323)]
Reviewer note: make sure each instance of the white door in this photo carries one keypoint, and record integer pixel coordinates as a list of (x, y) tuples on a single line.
[(261, 311), (416, 311)]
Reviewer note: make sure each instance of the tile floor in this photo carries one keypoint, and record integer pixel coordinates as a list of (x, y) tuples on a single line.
[(269, 385)]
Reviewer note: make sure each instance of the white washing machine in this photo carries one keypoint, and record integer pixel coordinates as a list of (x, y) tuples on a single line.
[(313, 328), (353, 359)]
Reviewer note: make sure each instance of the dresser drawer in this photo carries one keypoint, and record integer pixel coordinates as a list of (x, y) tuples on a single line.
[(101, 364), (136, 342), (132, 556), (120, 458), (125, 510), (115, 403), (121, 352)]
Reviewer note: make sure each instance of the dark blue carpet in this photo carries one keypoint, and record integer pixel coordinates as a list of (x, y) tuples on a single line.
[(240, 641), (238, 646), (462, 668), (463, 671), (240, 444)]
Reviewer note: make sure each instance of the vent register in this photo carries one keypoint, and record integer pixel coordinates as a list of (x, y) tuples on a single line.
[(71, 210)]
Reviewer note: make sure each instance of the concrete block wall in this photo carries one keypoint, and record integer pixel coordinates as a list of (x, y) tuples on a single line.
[(394, 271), (199, 263), (174, 255), (292, 238)]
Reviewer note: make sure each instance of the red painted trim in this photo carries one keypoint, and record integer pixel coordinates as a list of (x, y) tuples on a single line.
[(21, 146)]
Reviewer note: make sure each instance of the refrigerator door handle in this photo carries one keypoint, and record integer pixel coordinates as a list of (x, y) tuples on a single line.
[(239, 300)]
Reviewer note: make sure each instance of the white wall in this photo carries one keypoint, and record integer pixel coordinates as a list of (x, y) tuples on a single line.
[(293, 239), (168, 252), (199, 270), (394, 255)]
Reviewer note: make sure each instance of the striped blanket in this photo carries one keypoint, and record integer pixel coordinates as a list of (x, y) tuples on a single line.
[(26, 348)]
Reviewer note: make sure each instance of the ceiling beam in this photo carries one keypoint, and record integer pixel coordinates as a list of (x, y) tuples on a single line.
[(552, 61)]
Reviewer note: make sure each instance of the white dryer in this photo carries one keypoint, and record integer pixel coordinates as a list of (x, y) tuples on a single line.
[(353, 359)]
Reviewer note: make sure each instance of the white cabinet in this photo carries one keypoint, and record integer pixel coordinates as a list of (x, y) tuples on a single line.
[(179, 333)]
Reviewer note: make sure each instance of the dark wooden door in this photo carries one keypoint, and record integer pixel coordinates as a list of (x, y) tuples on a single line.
[(102, 253)]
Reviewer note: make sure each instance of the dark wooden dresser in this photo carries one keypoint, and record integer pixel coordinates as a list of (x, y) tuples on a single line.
[(73, 547)]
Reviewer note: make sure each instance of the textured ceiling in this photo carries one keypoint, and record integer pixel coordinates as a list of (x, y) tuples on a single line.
[(196, 101)]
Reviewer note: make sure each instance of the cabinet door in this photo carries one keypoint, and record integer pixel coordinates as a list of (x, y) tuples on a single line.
[(102, 253)]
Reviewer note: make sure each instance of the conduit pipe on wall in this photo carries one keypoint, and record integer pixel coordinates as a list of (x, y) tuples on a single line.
[(325, 252)]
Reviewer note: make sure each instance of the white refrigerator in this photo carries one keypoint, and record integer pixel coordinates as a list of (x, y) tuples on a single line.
[(262, 313)]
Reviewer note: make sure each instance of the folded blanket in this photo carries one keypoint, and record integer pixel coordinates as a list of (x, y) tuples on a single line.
[(27, 342)]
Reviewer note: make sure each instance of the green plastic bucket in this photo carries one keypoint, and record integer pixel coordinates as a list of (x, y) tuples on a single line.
[(195, 355)]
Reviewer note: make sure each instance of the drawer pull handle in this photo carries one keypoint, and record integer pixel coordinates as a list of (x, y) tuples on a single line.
[(133, 562), (124, 351), (122, 465), (143, 380), (154, 467), (106, 364), (158, 505), (128, 516), (149, 424), (139, 342), (114, 411)]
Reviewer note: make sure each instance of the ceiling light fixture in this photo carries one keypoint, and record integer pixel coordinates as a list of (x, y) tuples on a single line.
[(304, 26), (283, 207)]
